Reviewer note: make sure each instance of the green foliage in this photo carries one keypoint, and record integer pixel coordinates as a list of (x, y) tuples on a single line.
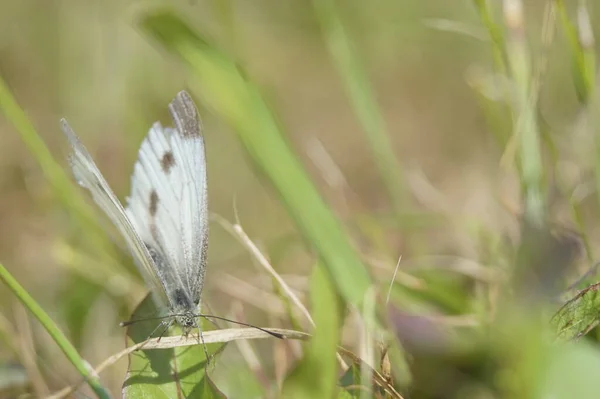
[(53, 330), (360, 93), (478, 331), (579, 315), (227, 90), (315, 374), (167, 373)]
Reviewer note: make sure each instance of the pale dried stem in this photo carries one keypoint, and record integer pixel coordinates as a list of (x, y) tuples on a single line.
[(210, 337), (27, 352), (239, 232)]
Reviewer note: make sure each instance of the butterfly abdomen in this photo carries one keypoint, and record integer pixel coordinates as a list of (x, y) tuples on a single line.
[(181, 300)]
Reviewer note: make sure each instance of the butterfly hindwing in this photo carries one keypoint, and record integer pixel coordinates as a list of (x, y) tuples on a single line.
[(88, 175)]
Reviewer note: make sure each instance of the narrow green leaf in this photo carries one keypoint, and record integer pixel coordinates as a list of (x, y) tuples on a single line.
[(583, 59), (62, 186), (226, 90), (525, 119), (362, 98), (484, 8), (315, 375), (63, 343), (166, 373)]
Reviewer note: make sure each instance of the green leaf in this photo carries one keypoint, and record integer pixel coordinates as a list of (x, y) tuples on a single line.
[(166, 373), (315, 375), (226, 90), (578, 315), (351, 379)]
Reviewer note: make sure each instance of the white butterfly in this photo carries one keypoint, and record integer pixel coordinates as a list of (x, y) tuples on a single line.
[(165, 223)]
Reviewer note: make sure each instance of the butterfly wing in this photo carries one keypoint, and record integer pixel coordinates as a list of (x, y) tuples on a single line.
[(168, 202), (88, 175)]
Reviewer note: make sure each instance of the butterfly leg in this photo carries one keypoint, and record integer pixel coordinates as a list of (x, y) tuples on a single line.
[(201, 339), (167, 325)]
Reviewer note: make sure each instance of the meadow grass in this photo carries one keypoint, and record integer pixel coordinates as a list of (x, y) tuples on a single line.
[(473, 323)]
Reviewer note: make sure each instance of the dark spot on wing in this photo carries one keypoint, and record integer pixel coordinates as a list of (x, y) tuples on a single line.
[(153, 203), (167, 161)]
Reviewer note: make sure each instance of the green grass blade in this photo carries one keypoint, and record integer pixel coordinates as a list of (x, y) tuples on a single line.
[(581, 45), (580, 39), (52, 170), (60, 182), (363, 101), (496, 34), (316, 375), (226, 90), (63, 343), (526, 125)]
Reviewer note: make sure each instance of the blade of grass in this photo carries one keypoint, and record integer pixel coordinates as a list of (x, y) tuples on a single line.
[(581, 42), (525, 114), (227, 91), (63, 343), (580, 39), (51, 170), (496, 34), (237, 231), (363, 101), (315, 375), (587, 44), (495, 113), (367, 345), (62, 186)]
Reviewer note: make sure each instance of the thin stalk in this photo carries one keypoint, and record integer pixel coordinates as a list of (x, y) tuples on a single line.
[(63, 343), (525, 114), (363, 102)]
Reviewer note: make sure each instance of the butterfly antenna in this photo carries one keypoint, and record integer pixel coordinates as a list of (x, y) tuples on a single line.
[(208, 317), (130, 322), (274, 334)]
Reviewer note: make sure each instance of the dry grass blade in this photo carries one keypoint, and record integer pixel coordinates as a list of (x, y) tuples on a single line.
[(378, 379), (238, 231), (217, 336), (387, 299), (27, 351), (210, 337)]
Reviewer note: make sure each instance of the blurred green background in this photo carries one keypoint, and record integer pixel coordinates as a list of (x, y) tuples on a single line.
[(452, 102)]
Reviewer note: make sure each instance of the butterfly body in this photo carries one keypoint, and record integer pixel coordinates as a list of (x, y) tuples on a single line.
[(182, 305), (165, 222)]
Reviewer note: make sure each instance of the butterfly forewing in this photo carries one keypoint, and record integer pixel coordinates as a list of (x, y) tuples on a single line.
[(168, 201), (165, 223), (88, 175)]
